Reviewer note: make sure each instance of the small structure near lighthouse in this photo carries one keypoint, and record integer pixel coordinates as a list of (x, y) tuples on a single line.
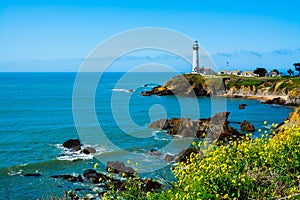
[(195, 67)]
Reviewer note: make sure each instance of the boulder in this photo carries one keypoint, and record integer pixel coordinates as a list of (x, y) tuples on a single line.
[(242, 106), (147, 184), (69, 178), (94, 176), (220, 118), (214, 128), (88, 150), (277, 100), (160, 124), (169, 158), (247, 126), (32, 175), (119, 168), (184, 155), (154, 152), (73, 144)]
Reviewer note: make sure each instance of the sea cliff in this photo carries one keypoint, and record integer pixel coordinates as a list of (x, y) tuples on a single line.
[(278, 90)]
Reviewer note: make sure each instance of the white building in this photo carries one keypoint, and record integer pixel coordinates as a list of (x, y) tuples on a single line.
[(236, 72), (248, 73), (223, 72)]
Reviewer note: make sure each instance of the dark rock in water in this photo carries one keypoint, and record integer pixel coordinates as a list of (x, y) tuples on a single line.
[(277, 100), (233, 122), (214, 128), (79, 189), (85, 151), (119, 168), (154, 152), (73, 144), (131, 90), (33, 175), (69, 178), (169, 158), (247, 126), (94, 176), (79, 178), (242, 106), (184, 155), (88, 150)]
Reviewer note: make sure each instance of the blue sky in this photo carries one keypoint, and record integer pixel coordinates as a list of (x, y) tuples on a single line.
[(58, 35)]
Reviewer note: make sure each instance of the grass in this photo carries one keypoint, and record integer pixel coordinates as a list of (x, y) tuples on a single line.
[(193, 79), (287, 83)]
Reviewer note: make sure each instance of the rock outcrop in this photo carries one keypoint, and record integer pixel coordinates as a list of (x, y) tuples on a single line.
[(181, 85), (69, 178), (185, 154), (73, 144), (277, 100), (169, 158), (94, 176), (264, 87), (154, 152), (247, 126), (242, 106), (88, 150), (215, 128), (147, 184), (119, 168), (32, 175)]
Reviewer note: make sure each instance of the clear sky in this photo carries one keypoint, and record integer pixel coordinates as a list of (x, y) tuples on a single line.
[(56, 35)]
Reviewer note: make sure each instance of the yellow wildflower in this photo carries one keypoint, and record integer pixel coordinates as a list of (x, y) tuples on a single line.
[(95, 165)]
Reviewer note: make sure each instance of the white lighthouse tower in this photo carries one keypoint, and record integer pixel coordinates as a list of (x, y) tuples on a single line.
[(195, 57)]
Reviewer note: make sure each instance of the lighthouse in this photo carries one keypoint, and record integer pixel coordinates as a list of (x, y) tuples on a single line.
[(195, 57)]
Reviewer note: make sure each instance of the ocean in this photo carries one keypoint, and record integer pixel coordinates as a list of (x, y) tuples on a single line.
[(39, 111)]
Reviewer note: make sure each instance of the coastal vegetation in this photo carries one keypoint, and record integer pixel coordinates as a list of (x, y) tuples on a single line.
[(266, 167), (231, 85), (252, 168)]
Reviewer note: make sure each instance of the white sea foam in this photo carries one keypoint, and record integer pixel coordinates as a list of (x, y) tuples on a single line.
[(14, 173), (161, 135), (121, 90), (78, 155)]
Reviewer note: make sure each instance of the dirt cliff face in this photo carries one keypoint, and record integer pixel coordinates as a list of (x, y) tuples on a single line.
[(295, 116), (263, 86)]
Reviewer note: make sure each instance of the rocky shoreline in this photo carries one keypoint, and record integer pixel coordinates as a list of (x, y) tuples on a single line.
[(281, 92), (214, 128)]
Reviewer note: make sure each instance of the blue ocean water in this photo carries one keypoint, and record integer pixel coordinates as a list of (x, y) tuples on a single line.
[(37, 115)]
